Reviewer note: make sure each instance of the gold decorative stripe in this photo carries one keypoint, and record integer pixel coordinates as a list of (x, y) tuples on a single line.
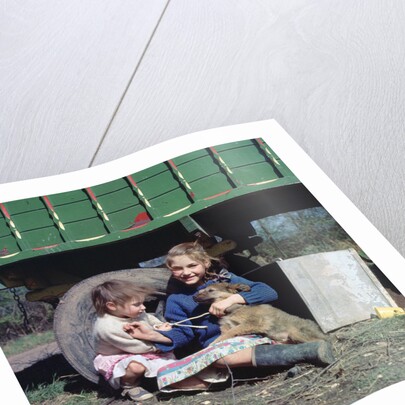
[(176, 212), (6, 257), (89, 239), (262, 182)]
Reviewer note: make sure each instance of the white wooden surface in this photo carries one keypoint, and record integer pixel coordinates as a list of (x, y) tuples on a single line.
[(84, 83), (64, 66)]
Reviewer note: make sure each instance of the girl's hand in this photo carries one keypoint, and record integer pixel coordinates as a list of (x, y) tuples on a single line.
[(219, 308), (139, 330), (163, 326)]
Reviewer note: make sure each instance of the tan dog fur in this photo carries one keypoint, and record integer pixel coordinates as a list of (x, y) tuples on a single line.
[(258, 319)]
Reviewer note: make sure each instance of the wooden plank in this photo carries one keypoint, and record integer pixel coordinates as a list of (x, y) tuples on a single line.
[(64, 67), (330, 73), (22, 361)]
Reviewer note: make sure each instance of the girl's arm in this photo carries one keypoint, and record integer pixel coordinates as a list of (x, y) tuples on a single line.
[(118, 338), (138, 330), (260, 293), (219, 308)]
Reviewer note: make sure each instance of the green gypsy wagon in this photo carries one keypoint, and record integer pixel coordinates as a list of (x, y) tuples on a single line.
[(49, 243)]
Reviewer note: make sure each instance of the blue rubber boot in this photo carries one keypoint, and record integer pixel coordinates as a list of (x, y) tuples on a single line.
[(319, 353)]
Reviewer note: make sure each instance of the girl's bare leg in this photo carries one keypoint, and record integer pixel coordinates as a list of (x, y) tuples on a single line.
[(242, 358), (133, 372), (190, 383)]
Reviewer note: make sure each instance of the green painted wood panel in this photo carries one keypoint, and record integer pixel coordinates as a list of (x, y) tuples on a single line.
[(206, 187), (202, 166), (8, 245), (27, 205), (33, 220), (118, 200), (158, 184), (86, 228), (124, 219), (110, 187), (170, 202), (233, 145), (189, 157), (204, 175), (162, 190), (149, 173), (242, 156), (67, 198), (4, 229), (263, 172), (42, 237), (77, 211)]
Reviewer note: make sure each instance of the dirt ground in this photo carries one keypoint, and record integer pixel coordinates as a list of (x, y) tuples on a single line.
[(370, 355)]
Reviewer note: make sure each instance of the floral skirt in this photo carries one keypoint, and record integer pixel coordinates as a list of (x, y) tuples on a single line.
[(198, 363)]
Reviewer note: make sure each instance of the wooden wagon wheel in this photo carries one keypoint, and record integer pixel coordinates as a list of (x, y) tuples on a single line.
[(75, 315)]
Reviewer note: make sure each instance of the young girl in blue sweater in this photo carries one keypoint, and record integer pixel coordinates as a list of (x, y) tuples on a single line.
[(192, 266)]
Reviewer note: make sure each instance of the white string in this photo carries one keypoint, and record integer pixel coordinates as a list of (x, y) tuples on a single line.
[(185, 320), (232, 383)]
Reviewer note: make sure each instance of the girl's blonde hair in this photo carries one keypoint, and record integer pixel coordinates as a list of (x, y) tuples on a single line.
[(118, 292), (196, 252)]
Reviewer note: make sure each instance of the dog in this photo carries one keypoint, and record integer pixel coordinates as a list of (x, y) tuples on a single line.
[(258, 319)]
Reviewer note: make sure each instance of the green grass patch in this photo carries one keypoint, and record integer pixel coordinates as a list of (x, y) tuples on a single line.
[(45, 392), (55, 394), (24, 343)]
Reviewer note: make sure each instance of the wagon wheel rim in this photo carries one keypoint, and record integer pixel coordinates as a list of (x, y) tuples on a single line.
[(75, 315)]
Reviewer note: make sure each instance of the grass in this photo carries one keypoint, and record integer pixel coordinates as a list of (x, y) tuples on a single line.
[(27, 342), (56, 394), (46, 392)]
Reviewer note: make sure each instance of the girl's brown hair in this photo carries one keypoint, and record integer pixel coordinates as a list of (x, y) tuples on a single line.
[(196, 252), (117, 291)]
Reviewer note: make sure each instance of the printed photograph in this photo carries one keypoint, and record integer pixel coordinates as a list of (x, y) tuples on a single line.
[(215, 277)]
